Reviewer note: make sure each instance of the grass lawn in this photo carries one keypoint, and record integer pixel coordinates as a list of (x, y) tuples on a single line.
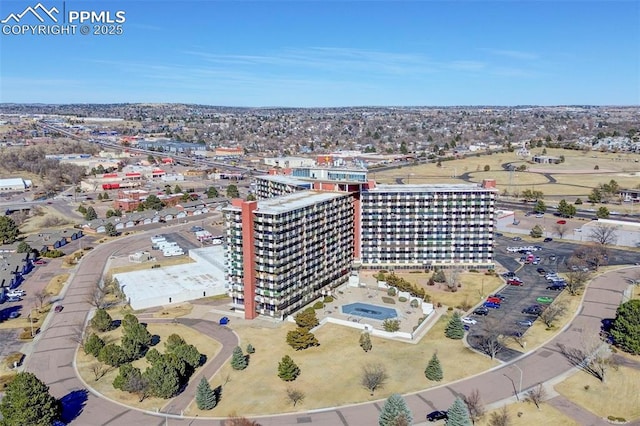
[(331, 373), (104, 385), (574, 177), (55, 284), (471, 292), (174, 311), (530, 415), (618, 396)]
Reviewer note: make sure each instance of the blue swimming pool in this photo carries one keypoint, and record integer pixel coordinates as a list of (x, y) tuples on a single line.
[(369, 311)]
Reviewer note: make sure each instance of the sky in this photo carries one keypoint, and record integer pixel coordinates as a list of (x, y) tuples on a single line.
[(330, 53)]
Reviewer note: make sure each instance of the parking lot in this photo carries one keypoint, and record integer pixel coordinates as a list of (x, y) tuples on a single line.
[(516, 298)]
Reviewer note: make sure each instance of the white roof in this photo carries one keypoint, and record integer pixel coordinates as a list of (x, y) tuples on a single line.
[(13, 182)]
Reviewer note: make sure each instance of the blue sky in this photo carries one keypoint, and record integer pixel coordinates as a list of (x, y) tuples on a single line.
[(333, 53)]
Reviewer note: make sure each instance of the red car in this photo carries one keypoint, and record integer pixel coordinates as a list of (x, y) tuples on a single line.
[(494, 300), (39, 262), (58, 308), (514, 282)]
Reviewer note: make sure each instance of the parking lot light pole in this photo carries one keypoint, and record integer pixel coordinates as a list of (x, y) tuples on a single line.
[(520, 386)]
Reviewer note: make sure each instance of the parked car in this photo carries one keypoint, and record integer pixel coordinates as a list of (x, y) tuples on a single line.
[(14, 299), (499, 296), (544, 299), (556, 287), (40, 262), (14, 314), (517, 238), (532, 310), (437, 415), (541, 271), (224, 320), (491, 305), (513, 281), (509, 274), (468, 320), (524, 323), (481, 311), (58, 308), (548, 239), (494, 300), (552, 258)]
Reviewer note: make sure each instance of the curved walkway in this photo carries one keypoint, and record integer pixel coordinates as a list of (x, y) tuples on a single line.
[(52, 358)]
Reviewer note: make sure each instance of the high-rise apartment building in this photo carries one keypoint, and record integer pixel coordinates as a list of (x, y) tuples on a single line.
[(284, 252), (422, 226)]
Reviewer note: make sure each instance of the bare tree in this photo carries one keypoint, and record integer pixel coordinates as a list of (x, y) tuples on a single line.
[(593, 356), (560, 230), (452, 280), (537, 395), (500, 417), (474, 405), (99, 370), (374, 377), (552, 313), (78, 335), (577, 276), (491, 341), (295, 395), (518, 337), (604, 234), (41, 296)]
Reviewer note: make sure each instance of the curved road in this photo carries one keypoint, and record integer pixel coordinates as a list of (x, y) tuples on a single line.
[(51, 358)]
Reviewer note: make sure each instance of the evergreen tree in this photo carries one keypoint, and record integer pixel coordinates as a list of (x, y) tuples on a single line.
[(90, 214), (93, 345), (163, 379), (307, 319), (177, 189), (301, 338), (365, 342), (626, 327), (110, 230), (212, 192), (205, 396), (458, 414), (238, 360), (250, 349), (287, 369), (433, 371), (395, 412), (23, 247), (173, 341), (8, 230), (455, 328), (101, 321), (82, 209), (232, 191), (27, 401)]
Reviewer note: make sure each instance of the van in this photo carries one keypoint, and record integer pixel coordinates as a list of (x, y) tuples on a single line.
[(14, 298)]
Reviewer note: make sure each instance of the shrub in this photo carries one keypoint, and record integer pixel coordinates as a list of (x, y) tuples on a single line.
[(388, 300), (415, 303), (391, 291), (402, 299), (391, 325), (318, 305), (328, 299)]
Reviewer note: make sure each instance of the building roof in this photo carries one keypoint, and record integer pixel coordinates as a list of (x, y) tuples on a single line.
[(13, 182), (289, 180), (296, 201)]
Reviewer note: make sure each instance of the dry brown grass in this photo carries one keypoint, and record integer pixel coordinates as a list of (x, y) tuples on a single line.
[(572, 181), (174, 311), (530, 415), (616, 397), (205, 345), (23, 322), (56, 284), (331, 373), (48, 218), (475, 286)]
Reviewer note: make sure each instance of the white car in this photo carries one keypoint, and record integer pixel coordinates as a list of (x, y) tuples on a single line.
[(468, 320)]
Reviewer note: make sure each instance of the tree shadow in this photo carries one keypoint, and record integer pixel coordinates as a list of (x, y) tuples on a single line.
[(155, 339), (115, 324), (72, 405), (218, 393), (203, 360), (247, 359)]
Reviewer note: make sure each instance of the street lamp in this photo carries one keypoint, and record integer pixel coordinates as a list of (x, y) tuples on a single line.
[(520, 386)]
